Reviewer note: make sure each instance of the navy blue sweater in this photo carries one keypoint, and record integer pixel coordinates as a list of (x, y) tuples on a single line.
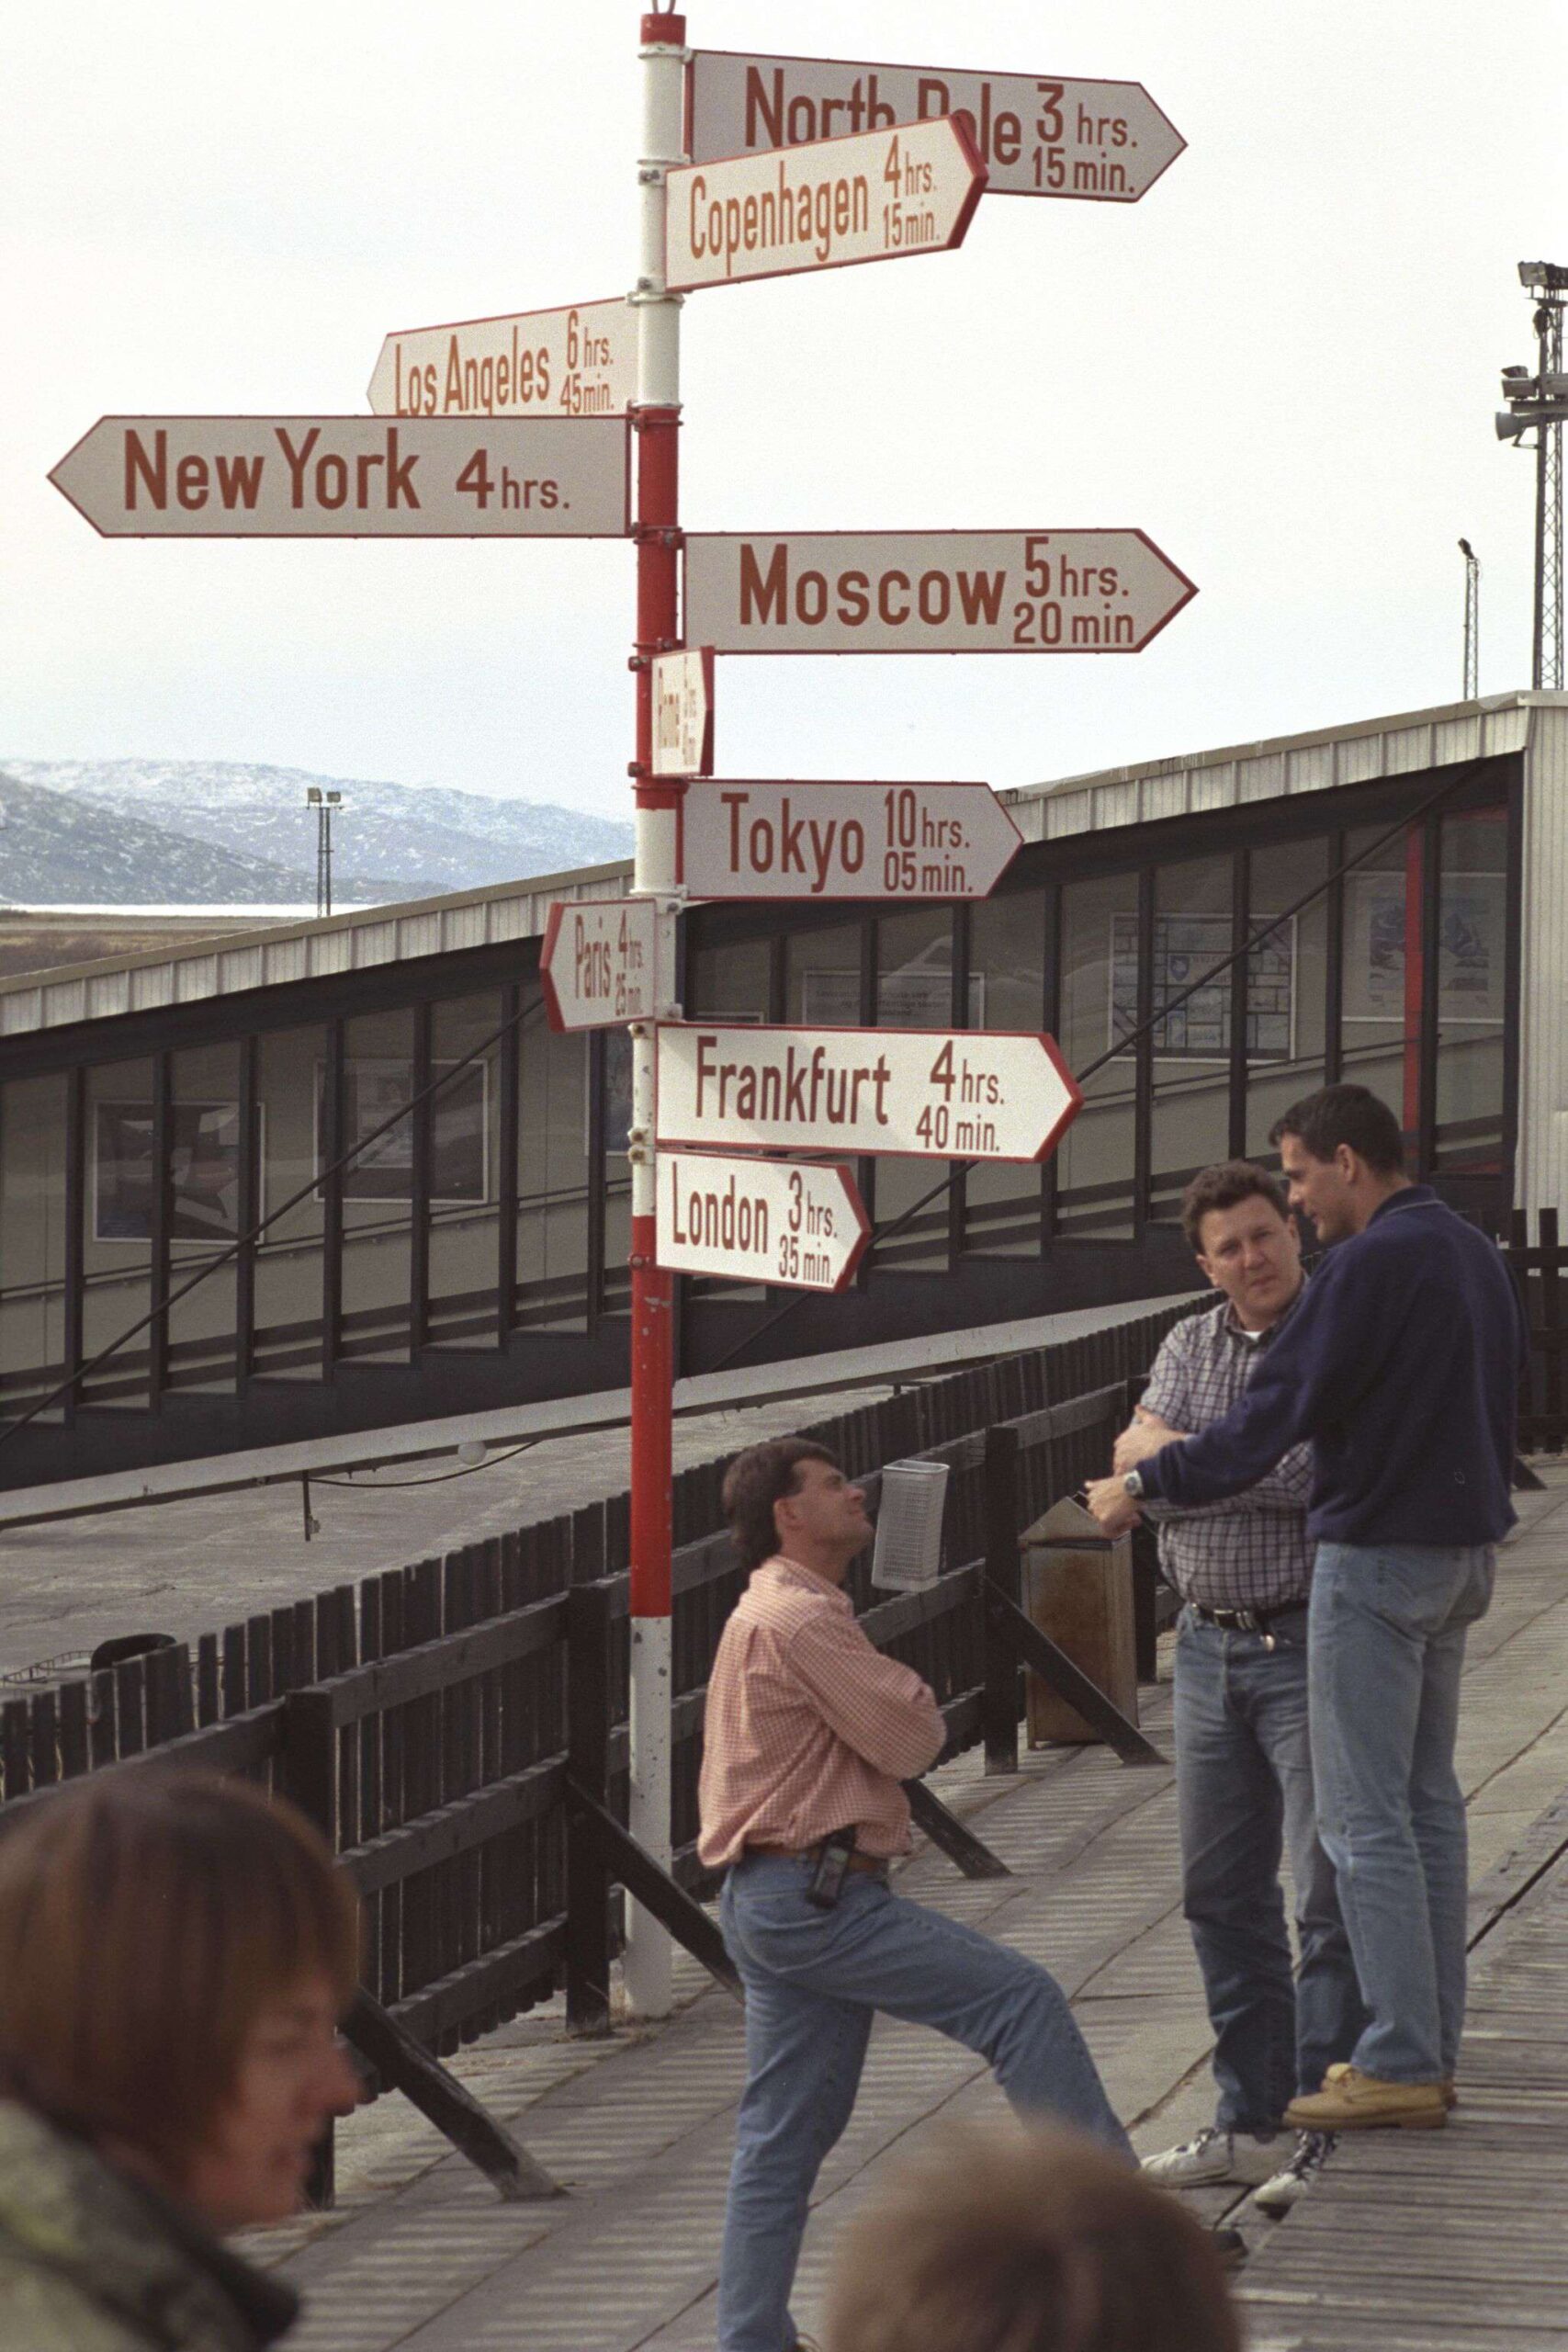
[(1401, 1364)]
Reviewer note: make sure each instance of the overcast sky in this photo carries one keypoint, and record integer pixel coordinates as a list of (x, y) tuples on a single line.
[(1281, 364)]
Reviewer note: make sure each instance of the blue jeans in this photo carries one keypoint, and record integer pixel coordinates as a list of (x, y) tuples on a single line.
[(1245, 1794), (814, 1981), (1386, 1651)]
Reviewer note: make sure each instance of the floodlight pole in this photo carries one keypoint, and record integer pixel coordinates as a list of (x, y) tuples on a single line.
[(656, 423), (1472, 621), (1546, 668)]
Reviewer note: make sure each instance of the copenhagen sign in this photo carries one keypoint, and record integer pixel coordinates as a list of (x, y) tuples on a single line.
[(930, 592), (760, 1220), (576, 362), (598, 962), (965, 1094), (1037, 134), (348, 477), (844, 840), (880, 196)]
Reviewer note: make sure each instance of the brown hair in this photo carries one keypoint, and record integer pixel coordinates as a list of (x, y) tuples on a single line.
[(754, 1482), (1349, 1115), (1040, 2243), (1225, 1187), (146, 1915)]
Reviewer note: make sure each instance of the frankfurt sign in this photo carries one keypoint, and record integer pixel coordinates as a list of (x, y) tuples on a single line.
[(879, 197), (576, 362), (963, 1094), (930, 592), (682, 712), (844, 840), (598, 962), (760, 1220), (349, 478), (1037, 134)]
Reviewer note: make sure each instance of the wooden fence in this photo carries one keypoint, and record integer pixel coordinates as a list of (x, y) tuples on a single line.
[(1538, 1269)]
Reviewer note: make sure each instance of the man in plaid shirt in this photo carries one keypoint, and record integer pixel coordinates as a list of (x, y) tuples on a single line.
[(1243, 1764)]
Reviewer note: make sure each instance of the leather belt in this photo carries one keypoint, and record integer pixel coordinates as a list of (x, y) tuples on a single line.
[(1246, 1621), (856, 1862)]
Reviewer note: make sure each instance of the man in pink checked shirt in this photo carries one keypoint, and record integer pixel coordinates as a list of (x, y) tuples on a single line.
[(809, 1731)]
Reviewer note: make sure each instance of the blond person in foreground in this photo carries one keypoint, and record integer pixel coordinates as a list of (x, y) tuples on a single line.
[(1002, 2241), (175, 1953)]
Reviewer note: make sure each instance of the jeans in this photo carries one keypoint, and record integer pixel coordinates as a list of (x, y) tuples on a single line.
[(1245, 1794), (1386, 1651), (814, 1980)]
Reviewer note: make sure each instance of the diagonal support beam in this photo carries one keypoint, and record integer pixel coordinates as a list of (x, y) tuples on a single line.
[(1069, 1682), (653, 1887), (955, 1837), (408, 2067)]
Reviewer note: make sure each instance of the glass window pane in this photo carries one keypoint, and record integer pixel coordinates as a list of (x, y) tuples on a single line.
[(1007, 942), (1193, 1041), (1380, 1001), (823, 985), (32, 1240), (204, 1215), (288, 1256), (378, 1187), (914, 991), (1471, 1008), (1099, 921), (729, 982), (464, 1181), (552, 1170), (118, 1247), (1286, 981)]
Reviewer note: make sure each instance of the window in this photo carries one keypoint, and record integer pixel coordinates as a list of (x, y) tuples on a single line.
[(1006, 963), (1095, 1159)]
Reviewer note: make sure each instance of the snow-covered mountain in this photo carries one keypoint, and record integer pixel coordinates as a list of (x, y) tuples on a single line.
[(166, 831)]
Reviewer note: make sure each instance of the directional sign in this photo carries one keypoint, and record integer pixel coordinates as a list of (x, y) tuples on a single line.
[(963, 1094), (1038, 134), (760, 1220), (879, 197), (930, 592), (578, 362), (598, 962), (844, 840), (682, 712), (349, 478)]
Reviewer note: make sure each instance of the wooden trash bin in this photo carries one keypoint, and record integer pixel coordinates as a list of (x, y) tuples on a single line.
[(1077, 1588)]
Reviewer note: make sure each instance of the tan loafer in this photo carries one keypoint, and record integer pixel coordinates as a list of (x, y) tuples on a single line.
[(1445, 2084), (1352, 2101)]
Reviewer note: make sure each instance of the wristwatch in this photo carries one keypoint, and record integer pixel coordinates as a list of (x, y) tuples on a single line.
[(1132, 1485)]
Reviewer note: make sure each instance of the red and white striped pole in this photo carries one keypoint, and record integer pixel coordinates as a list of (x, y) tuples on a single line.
[(656, 422)]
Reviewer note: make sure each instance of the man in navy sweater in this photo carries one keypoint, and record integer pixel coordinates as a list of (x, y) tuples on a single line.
[(1402, 1365)]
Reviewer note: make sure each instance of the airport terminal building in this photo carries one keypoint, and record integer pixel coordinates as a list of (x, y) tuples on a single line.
[(157, 1106)]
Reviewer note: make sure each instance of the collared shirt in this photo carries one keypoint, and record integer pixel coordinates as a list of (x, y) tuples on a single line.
[(1250, 1552), (808, 1727)]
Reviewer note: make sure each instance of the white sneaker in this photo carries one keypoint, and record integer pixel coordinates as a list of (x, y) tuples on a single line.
[(1313, 2152), (1217, 2155)]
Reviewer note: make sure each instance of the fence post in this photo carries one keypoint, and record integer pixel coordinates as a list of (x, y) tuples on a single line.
[(999, 1704), (308, 1773), (588, 1727)]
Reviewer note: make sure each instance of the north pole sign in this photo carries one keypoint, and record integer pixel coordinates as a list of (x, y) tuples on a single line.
[(598, 962), (1037, 134), (937, 1095), (580, 361), (760, 1220), (682, 712), (349, 477), (881, 196), (930, 592), (844, 840)]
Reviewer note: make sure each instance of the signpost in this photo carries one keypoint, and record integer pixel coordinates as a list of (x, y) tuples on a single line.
[(844, 840), (930, 592), (576, 362), (348, 477), (1037, 134), (878, 197), (929, 1093), (682, 712), (798, 1223), (598, 962)]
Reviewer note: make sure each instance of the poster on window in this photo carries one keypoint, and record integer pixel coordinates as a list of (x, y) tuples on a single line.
[(204, 1172), (1185, 947), (1472, 932), (375, 1089), (911, 999)]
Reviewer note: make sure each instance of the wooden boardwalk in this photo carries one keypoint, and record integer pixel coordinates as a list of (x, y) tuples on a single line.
[(1411, 2240)]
